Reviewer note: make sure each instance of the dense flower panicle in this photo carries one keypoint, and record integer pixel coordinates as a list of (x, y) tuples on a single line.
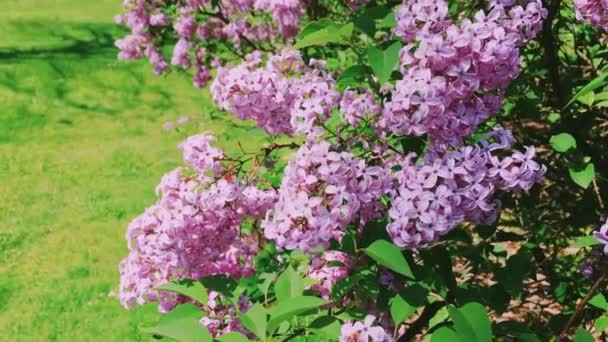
[(602, 236), (286, 13), (355, 106), (328, 268), (454, 74), (355, 331), (191, 232), (231, 22), (321, 193), (201, 156), (592, 12), (284, 96), (457, 186)]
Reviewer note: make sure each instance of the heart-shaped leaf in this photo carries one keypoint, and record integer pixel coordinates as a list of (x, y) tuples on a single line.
[(583, 177)]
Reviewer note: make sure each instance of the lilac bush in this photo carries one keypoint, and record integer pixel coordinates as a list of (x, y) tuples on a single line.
[(388, 159)]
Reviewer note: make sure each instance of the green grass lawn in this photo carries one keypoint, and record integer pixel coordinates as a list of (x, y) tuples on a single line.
[(81, 149)]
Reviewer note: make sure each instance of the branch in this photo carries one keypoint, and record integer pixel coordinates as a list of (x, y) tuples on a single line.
[(422, 321), (581, 306)]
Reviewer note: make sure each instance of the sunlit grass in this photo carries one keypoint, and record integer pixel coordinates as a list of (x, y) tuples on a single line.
[(81, 149)]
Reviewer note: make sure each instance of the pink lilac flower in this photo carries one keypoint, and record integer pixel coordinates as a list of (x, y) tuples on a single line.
[(355, 107), (192, 231), (224, 316), (602, 236), (454, 75), (328, 268), (236, 22), (592, 12), (321, 193), (356, 331), (449, 188), (274, 97)]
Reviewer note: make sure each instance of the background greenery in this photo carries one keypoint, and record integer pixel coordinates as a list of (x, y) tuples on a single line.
[(81, 150)]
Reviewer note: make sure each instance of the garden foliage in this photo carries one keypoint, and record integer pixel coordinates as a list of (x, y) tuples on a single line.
[(400, 195)]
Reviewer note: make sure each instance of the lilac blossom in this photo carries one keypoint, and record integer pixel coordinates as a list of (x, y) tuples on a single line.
[(355, 331), (447, 189), (601, 235), (454, 75), (321, 193), (592, 12)]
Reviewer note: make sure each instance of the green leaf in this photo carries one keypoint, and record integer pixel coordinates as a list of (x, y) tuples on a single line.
[(405, 303), (601, 324), (388, 22), (288, 285), (599, 301), (189, 288), (296, 306), (439, 317), (330, 34), (583, 177), (232, 337), (562, 142), (326, 326), (390, 256), (344, 285), (314, 27), (586, 241), (582, 335), (553, 117), (591, 86), (182, 324), (400, 309), (353, 76), (366, 21), (477, 316), (383, 62), (255, 320), (516, 329), (445, 334), (366, 24), (463, 327), (221, 284)]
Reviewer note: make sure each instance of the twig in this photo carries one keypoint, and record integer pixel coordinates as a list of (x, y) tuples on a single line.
[(581, 306), (596, 190)]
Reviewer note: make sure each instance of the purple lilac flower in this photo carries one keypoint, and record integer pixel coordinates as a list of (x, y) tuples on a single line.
[(602, 236), (356, 331), (592, 12)]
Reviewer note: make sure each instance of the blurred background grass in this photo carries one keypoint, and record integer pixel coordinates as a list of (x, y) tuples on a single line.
[(81, 150)]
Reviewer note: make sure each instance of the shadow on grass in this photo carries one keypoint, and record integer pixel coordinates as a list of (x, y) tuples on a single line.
[(65, 65), (82, 40)]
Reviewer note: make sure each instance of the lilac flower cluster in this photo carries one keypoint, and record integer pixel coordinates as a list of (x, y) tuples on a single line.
[(445, 190), (355, 331), (284, 96), (592, 12), (231, 21), (356, 106), (222, 318), (454, 73), (323, 268), (602, 236), (192, 231), (321, 193)]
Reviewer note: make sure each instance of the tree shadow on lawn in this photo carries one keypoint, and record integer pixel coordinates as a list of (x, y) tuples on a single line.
[(55, 68)]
